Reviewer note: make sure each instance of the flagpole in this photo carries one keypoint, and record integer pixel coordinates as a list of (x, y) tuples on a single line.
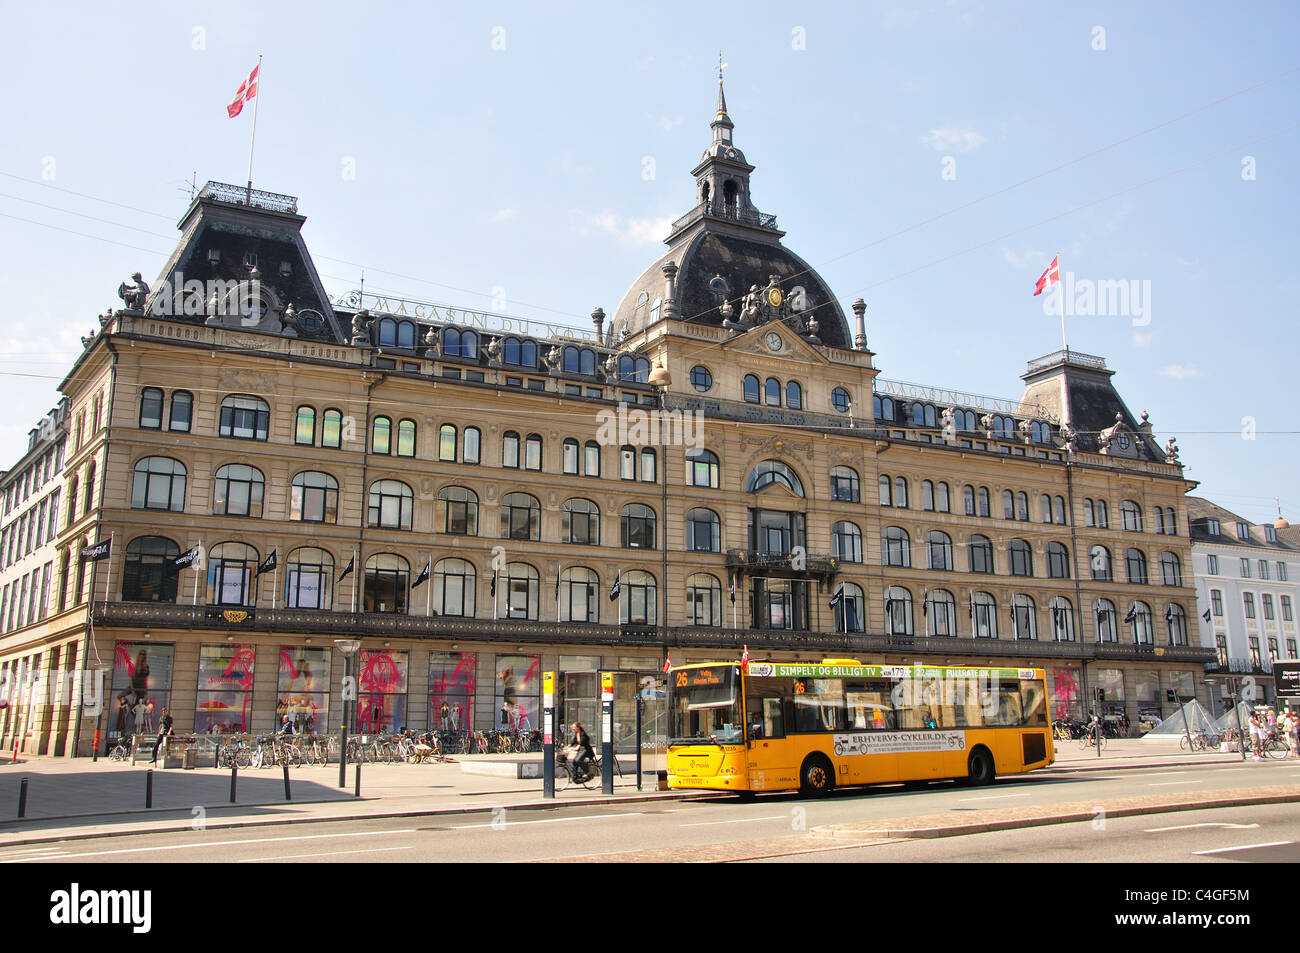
[(275, 581), (248, 195), (1060, 287), (354, 581), (428, 589), (194, 566)]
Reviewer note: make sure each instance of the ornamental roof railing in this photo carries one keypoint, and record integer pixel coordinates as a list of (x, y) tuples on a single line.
[(253, 198), (1090, 361)]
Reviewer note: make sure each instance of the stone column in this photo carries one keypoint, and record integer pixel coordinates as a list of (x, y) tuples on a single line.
[(860, 310), (670, 290)]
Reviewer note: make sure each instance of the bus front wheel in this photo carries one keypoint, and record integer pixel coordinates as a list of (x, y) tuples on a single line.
[(816, 777), (980, 769)]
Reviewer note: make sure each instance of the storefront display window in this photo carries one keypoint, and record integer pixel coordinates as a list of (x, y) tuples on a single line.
[(451, 690), (1067, 698), (142, 682), (381, 691), (518, 692), (302, 690), (224, 702)]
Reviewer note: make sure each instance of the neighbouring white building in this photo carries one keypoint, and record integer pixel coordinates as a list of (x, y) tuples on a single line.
[(1247, 587)]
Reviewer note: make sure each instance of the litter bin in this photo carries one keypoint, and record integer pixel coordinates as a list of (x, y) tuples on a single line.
[(187, 759)]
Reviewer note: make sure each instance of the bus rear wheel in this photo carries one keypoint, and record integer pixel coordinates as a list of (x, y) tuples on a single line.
[(979, 768), (816, 777)]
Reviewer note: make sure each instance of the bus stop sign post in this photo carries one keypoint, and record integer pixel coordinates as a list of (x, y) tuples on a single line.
[(548, 736), (640, 707), (607, 732)]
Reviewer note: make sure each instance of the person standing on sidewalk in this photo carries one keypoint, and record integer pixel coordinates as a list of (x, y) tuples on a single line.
[(164, 732), (1256, 728)]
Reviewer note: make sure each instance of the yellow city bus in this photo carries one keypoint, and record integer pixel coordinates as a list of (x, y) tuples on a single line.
[(780, 726)]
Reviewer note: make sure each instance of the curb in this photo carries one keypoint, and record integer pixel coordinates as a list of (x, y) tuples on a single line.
[(1071, 817)]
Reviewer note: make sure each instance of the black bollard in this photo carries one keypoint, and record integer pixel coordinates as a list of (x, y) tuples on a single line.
[(234, 775), (287, 796), (22, 798), (148, 788), (357, 792)]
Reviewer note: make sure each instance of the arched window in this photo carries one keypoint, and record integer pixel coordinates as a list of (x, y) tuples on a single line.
[(1046, 502), (591, 459), (898, 612), (772, 392), (1171, 570), (510, 449), (520, 353), (896, 547), (1135, 564), (1062, 615), (983, 497), (1103, 515), (1099, 560), (314, 498), (1160, 519), (1021, 557), (447, 443), (1058, 508), (517, 592), (846, 542), (637, 598), (231, 575), (391, 505), (387, 332), (927, 496), (533, 452), (1058, 561), (457, 343), (702, 468), (774, 471), (521, 517), (751, 389), (648, 461), (151, 405), (844, 485), (457, 511), (309, 579), (1024, 617), (886, 490), (638, 523), (968, 499), (794, 395), (158, 484), (182, 414), (569, 456), (1171, 522), (406, 438), (469, 445), (1139, 618), (900, 492), (237, 491), (1022, 506), (850, 614), (1008, 505), (1177, 621), (627, 463), (1104, 612), (940, 614), (331, 431), (939, 550), (884, 408), (984, 615), (634, 369), (581, 522), (1088, 518), (941, 498), (1131, 515), (304, 430), (579, 595), (149, 574), (703, 531), (244, 417), (455, 584), (381, 435), (979, 551), (703, 600), (388, 579)]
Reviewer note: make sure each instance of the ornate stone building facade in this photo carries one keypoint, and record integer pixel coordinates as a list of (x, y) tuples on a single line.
[(478, 499)]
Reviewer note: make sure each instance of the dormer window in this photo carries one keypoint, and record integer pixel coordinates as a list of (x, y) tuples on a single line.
[(1243, 531), (1213, 528), (250, 259), (1270, 534)]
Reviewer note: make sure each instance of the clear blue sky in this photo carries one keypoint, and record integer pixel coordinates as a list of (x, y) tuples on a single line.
[(522, 168)]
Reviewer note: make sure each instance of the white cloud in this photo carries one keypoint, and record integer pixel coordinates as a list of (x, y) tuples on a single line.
[(505, 214), (953, 139), (627, 231), (1180, 372)]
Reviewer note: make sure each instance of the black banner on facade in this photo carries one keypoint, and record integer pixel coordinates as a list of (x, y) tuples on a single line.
[(97, 552), (1286, 676)]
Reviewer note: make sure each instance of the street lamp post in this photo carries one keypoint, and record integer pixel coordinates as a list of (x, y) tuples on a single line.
[(349, 648)]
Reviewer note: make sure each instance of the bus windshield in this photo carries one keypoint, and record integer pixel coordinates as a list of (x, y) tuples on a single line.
[(705, 707)]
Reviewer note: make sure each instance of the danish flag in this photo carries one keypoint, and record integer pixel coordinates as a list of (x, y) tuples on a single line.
[(668, 662), (247, 90), (1048, 278), (744, 660)]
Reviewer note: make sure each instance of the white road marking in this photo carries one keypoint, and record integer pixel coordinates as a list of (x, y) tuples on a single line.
[(990, 797), (1188, 827), (1165, 784), (330, 853), (550, 820), (222, 843), (1227, 850), (743, 820)]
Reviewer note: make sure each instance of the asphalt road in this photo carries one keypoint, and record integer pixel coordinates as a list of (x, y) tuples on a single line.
[(768, 827)]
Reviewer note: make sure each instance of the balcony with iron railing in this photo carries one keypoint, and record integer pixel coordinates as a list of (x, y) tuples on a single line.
[(727, 213), (235, 619), (249, 197), (1066, 356)]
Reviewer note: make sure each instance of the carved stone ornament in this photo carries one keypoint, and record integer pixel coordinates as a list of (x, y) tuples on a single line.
[(134, 296)]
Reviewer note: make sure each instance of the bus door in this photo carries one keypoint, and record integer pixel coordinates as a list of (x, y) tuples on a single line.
[(769, 759), (870, 722)]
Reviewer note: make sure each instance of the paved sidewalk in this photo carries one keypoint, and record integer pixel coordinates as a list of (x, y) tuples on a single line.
[(75, 798)]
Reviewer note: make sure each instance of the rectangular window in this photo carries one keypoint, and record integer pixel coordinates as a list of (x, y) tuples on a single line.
[(1281, 572), (1287, 615), (1267, 600), (1245, 568), (1263, 569), (142, 683), (302, 688), (224, 702), (451, 690), (1248, 601), (381, 688), (1212, 565), (1216, 602)]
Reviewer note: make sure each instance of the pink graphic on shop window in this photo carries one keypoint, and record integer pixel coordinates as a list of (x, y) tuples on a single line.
[(460, 683), (381, 677)]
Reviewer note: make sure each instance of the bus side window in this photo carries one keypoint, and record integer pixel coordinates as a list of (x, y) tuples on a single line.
[(1033, 703), (766, 719)]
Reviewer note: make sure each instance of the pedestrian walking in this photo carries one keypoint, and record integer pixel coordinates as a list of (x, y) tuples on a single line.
[(164, 732)]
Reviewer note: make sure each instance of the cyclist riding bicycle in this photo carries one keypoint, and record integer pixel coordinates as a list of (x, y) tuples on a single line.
[(579, 751)]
